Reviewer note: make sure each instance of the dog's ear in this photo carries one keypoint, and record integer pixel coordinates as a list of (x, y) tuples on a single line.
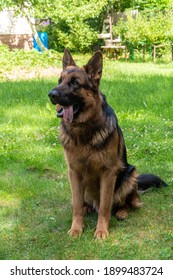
[(94, 68), (67, 59)]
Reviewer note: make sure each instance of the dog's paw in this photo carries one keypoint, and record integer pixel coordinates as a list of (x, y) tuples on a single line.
[(122, 214), (75, 232), (101, 234)]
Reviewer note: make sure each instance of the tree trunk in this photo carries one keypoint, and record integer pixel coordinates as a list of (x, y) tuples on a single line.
[(34, 31)]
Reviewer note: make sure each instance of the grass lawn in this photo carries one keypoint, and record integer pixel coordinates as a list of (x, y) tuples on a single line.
[(35, 198)]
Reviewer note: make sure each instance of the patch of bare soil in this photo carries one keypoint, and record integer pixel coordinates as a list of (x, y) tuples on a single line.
[(23, 74)]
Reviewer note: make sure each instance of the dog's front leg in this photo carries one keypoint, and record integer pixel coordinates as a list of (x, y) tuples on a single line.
[(77, 202), (107, 184)]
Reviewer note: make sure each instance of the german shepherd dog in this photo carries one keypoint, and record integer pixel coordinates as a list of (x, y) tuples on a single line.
[(100, 176)]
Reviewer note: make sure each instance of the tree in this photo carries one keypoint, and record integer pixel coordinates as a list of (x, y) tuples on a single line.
[(119, 5), (122, 5)]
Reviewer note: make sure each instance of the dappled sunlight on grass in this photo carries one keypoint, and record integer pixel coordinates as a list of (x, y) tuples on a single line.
[(8, 200), (9, 206)]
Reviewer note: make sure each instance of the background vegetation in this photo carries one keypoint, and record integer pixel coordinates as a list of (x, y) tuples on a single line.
[(149, 27), (35, 198), (76, 23)]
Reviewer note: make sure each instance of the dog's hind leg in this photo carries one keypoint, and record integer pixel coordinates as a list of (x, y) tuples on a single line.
[(122, 213), (132, 202), (125, 194)]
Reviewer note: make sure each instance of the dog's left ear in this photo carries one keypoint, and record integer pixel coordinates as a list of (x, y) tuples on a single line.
[(94, 68), (67, 59)]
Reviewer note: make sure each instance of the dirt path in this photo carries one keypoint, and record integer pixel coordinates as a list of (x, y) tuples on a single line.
[(23, 74)]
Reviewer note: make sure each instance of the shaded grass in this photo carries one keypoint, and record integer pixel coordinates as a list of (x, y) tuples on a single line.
[(35, 207)]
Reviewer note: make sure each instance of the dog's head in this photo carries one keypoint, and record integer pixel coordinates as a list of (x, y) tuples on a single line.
[(78, 87)]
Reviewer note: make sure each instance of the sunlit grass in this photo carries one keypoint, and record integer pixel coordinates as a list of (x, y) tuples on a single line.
[(35, 198)]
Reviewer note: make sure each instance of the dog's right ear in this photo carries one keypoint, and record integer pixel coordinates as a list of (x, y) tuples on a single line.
[(67, 59)]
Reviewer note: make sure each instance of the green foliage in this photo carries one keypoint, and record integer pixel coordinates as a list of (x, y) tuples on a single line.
[(119, 6), (76, 23), (72, 25), (122, 5), (71, 20), (152, 4), (149, 27), (76, 35)]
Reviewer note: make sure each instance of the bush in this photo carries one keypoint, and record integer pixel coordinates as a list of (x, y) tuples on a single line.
[(149, 27), (77, 36), (75, 24)]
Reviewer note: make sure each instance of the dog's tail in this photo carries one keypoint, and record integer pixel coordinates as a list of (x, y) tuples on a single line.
[(146, 181)]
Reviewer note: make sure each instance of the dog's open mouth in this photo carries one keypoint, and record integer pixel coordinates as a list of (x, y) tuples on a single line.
[(67, 112)]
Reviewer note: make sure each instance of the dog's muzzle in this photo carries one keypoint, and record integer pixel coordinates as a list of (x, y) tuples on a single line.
[(64, 109)]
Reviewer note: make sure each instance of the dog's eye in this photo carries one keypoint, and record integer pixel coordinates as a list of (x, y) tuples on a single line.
[(74, 81)]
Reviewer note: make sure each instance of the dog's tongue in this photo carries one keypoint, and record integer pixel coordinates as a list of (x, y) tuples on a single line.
[(68, 114)]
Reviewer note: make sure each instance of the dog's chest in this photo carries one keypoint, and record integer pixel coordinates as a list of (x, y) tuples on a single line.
[(89, 151), (89, 162), (85, 159), (94, 137)]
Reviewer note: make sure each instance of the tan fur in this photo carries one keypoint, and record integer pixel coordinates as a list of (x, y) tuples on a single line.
[(93, 173), (127, 188), (94, 157)]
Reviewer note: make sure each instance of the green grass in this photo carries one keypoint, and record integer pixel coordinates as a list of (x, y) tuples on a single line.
[(35, 198)]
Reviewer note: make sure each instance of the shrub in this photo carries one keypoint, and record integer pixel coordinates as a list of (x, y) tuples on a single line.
[(77, 36), (149, 27), (75, 24)]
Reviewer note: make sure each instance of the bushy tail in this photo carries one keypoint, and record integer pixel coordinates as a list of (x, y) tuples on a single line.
[(146, 181)]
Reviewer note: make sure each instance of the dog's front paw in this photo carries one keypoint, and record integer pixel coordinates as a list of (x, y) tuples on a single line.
[(101, 234), (75, 232)]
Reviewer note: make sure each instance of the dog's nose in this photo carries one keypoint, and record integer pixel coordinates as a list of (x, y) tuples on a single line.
[(53, 94)]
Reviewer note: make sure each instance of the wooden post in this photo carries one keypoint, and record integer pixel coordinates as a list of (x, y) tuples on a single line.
[(154, 54), (110, 25)]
